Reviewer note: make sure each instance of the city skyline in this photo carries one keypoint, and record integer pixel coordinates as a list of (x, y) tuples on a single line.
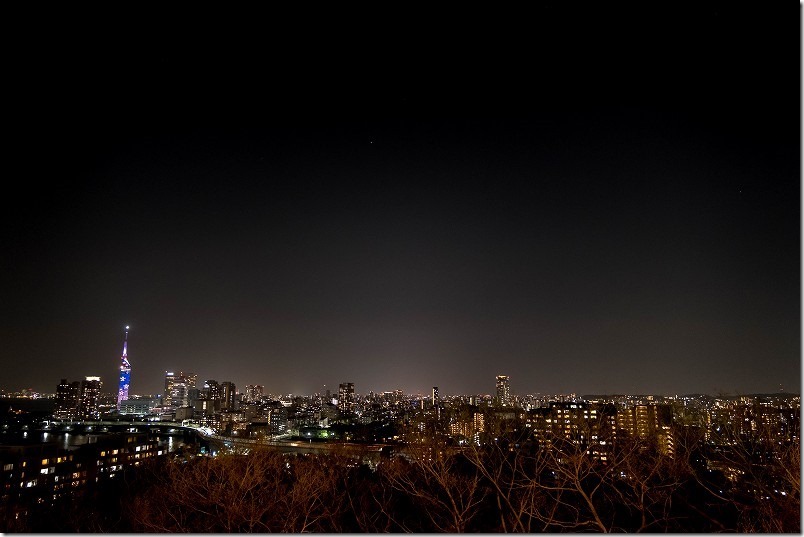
[(600, 201), (501, 389)]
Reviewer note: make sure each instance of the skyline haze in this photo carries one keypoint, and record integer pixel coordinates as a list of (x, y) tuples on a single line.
[(592, 201)]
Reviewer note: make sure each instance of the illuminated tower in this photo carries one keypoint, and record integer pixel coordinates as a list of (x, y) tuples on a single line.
[(125, 373)]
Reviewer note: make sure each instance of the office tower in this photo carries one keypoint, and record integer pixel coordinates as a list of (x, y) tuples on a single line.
[(125, 373), (170, 379), (177, 389), (68, 400), (503, 390), (346, 397), (193, 395), (188, 384), (212, 390), (435, 395), (228, 396), (209, 400), (90, 391)]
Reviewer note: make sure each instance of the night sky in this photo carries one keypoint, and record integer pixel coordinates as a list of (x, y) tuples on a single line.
[(599, 200)]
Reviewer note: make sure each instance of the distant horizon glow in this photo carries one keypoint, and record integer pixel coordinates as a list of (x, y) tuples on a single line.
[(434, 216)]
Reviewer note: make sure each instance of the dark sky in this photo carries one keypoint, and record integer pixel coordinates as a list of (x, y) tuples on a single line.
[(597, 200)]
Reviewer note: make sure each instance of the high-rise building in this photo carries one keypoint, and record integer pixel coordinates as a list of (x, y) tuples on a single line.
[(278, 418), (648, 422), (346, 397), (503, 390), (68, 400), (228, 396), (177, 389), (78, 400), (435, 395), (590, 425), (212, 390), (209, 400), (170, 379), (211, 395), (90, 392), (253, 393), (469, 425), (125, 373)]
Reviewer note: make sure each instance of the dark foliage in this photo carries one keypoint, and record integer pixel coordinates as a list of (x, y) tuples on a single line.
[(439, 488)]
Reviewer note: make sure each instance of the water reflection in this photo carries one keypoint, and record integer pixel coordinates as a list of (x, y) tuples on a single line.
[(69, 440)]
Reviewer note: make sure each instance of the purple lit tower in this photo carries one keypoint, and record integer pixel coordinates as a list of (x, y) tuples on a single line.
[(125, 373)]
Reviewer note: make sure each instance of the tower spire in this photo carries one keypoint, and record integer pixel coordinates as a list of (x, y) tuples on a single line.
[(125, 343)]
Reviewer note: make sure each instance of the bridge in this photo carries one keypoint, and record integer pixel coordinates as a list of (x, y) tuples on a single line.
[(110, 426), (370, 453)]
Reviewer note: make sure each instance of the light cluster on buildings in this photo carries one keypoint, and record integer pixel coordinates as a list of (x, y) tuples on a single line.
[(48, 473), (78, 400), (503, 390), (178, 390)]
